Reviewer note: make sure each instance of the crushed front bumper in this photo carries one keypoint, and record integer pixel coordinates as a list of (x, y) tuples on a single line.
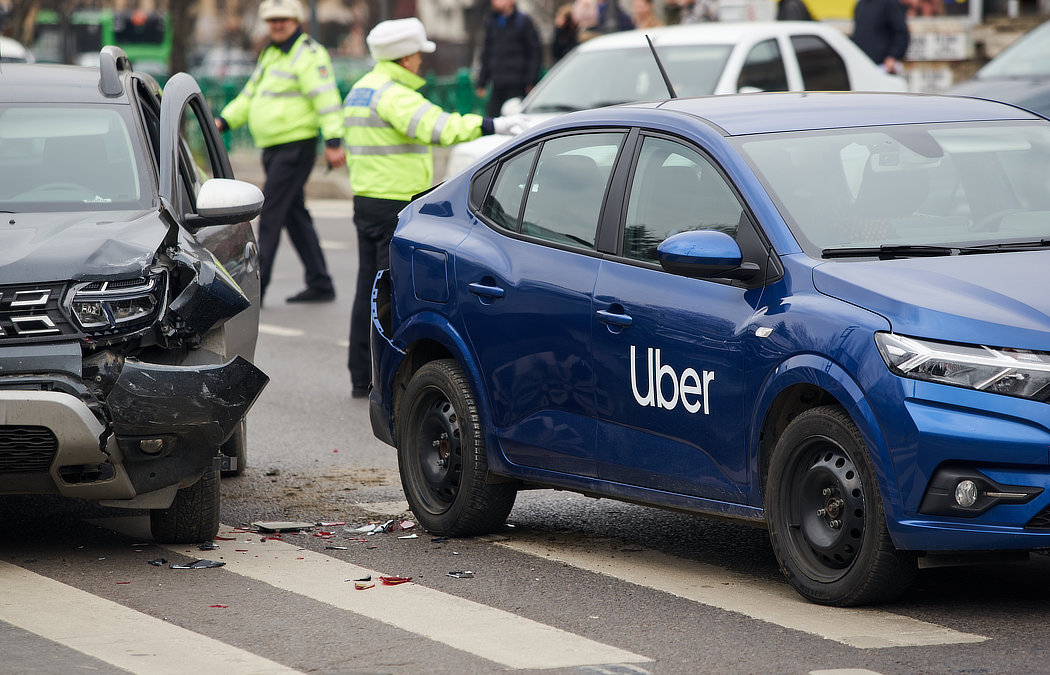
[(159, 429)]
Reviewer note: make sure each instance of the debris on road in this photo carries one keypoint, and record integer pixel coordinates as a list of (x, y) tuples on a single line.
[(197, 565), (466, 574), (281, 526), (159, 562), (395, 580)]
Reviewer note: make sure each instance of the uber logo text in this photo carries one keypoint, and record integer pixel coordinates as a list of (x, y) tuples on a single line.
[(691, 387)]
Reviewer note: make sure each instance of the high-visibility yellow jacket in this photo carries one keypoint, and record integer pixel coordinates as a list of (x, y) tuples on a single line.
[(390, 131), (289, 96)]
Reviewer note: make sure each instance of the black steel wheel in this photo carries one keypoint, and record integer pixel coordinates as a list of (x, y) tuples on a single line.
[(441, 455), (825, 515)]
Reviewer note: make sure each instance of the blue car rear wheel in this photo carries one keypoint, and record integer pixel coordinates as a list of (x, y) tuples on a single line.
[(441, 455)]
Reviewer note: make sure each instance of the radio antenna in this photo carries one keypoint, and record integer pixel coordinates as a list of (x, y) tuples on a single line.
[(660, 65)]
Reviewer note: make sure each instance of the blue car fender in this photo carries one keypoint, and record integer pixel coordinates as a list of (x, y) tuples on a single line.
[(434, 327), (833, 378)]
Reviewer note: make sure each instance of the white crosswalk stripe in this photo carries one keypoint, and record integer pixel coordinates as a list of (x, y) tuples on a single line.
[(493, 634), (484, 631), (99, 627), (774, 603), (115, 634)]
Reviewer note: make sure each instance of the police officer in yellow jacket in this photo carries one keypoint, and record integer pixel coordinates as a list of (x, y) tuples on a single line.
[(290, 95), (390, 131)]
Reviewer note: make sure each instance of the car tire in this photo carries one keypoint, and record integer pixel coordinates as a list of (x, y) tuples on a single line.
[(194, 515), (236, 448), (825, 514), (441, 455)]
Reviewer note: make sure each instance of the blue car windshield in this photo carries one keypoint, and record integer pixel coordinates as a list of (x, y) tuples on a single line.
[(68, 158), (965, 184), (608, 77)]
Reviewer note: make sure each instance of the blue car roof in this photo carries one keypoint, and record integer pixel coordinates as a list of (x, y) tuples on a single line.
[(775, 112)]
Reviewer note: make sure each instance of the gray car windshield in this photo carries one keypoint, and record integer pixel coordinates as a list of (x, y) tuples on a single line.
[(909, 186), (608, 77), (68, 158), (1028, 57)]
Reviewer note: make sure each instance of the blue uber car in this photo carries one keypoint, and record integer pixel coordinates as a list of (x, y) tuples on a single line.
[(827, 313)]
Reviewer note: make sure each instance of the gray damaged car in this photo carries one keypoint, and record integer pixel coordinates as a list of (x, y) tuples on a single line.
[(128, 294)]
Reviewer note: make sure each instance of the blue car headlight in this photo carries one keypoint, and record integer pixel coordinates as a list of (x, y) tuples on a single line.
[(1000, 370)]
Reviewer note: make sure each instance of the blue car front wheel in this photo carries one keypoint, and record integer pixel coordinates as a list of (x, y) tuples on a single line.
[(825, 514), (441, 455)]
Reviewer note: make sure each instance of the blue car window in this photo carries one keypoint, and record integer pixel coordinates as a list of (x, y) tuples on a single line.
[(504, 204), (675, 189), (568, 188)]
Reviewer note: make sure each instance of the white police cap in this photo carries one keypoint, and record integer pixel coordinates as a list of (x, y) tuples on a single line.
[(281, 9), (390, 40)]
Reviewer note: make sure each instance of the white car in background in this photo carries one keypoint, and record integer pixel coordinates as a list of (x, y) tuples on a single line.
[(13, 51), (700, 59)]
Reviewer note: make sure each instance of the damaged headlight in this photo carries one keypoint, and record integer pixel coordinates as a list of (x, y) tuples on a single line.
[(104, 307), (1013, 372)]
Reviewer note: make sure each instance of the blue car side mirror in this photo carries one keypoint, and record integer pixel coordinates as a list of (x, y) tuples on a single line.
[(704, 254)]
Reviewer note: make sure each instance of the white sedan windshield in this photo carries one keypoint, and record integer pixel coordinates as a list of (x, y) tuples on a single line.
[(594, 79)]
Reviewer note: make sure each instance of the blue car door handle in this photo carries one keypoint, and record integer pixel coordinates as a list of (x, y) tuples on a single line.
[(485, 291), (614, 319)]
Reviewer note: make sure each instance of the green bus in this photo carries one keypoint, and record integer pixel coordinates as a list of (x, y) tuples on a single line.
[(144, 36)]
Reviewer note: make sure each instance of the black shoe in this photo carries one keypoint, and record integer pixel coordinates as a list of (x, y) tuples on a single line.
[(359, 392), (312, 295)]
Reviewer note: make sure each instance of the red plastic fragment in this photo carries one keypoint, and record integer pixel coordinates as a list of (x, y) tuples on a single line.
[(394, 580)]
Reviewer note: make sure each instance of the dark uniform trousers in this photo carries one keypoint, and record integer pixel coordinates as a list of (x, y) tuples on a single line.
[(287, 167), (375, 220)]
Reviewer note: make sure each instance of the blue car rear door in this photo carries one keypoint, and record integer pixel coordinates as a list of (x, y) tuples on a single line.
[(524, 285)]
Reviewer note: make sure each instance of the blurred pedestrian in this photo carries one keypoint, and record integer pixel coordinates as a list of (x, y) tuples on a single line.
[(643, 14), (601, 17), (566, 32), (290, 95), (881, 31), (793, 10), (510, 55), (390, 130)]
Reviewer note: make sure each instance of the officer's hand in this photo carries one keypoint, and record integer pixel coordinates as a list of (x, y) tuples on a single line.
[(335, 157), (510, 125)]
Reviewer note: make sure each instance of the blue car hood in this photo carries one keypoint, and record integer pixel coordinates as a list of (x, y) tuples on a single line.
[(997, 299), (57, 246)]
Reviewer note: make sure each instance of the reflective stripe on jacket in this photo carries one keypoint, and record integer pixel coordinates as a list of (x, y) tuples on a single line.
[(289, 96), (390, 131)]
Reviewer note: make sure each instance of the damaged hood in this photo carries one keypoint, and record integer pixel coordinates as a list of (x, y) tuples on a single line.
[(992, 298), (43, 247)]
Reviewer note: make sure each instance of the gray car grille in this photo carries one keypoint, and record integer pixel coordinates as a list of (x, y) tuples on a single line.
[(26, 449)]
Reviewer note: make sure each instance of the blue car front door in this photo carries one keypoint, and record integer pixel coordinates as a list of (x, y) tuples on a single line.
[(668, 350)]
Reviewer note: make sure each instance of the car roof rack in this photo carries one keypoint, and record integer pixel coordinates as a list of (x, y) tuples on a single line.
[(112, 61)]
